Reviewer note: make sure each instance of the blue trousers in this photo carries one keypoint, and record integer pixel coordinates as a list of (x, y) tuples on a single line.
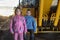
[(31, 35)]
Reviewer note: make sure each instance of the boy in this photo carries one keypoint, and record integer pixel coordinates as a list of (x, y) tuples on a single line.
[(31, 24)]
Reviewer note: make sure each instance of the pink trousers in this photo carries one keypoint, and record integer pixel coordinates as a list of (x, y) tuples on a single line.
[(20, 35)]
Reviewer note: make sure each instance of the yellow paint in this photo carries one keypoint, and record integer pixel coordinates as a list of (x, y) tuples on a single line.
[(41, 5), (47, 5), (44, 8), (57, 15), (24, 10)]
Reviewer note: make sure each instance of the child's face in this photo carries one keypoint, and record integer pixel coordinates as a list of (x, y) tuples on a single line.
[(18, 12), (28, 12)]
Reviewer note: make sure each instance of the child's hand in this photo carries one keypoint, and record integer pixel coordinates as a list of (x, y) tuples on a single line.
[(12, 32), (25, 32)]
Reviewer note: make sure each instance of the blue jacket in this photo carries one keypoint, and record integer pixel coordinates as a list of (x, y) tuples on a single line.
[(30, 22)]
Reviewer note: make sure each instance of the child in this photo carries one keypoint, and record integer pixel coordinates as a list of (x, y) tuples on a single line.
[(31, 24), (18, 25)]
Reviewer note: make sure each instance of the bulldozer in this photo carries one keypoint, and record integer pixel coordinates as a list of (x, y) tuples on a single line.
[(45, 12)]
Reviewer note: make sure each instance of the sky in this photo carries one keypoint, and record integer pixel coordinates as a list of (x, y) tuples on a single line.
[(9, 3), (54, 3), (7, 6)]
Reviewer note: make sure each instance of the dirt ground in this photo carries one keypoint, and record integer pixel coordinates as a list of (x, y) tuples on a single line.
[(6, 35)]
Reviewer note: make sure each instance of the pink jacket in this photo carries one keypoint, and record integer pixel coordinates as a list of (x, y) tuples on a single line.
[(18, 24)]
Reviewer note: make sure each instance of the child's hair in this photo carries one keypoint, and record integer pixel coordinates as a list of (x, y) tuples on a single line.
[(17, 9), (28, 9)]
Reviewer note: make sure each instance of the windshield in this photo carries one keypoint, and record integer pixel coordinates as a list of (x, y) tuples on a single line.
[(27, 3)]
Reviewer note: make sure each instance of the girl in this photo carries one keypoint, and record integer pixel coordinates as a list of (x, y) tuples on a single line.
[(18, 25)]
